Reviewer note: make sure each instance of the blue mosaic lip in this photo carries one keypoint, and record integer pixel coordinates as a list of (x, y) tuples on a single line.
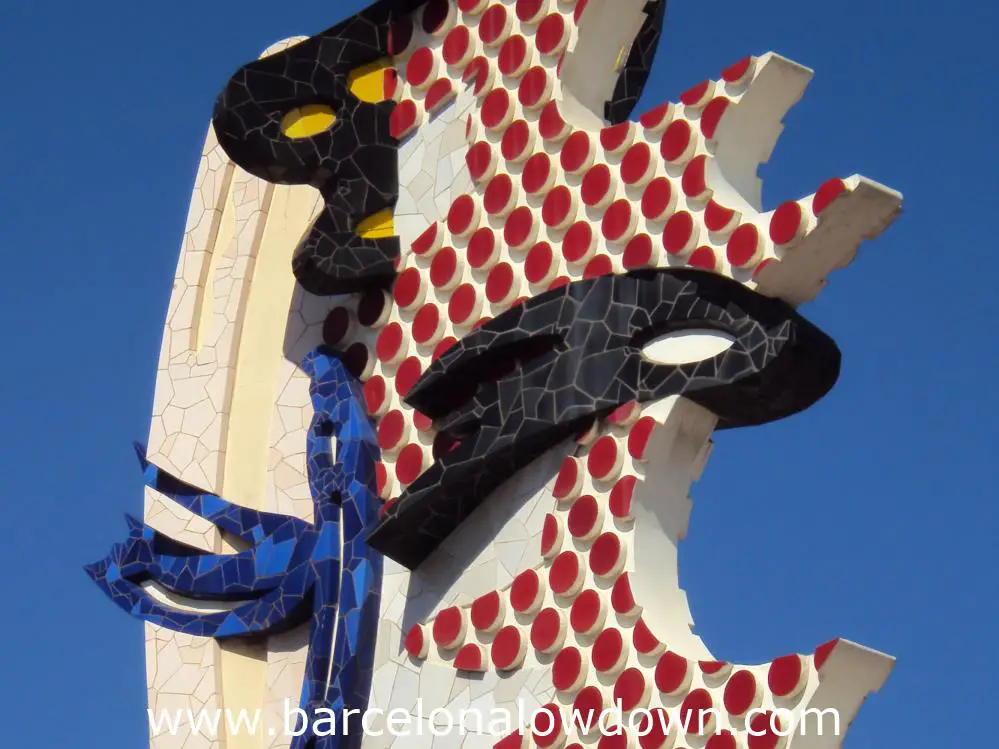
[(293, 571)]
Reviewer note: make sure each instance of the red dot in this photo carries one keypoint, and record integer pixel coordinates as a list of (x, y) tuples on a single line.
[(717, 217), (639, 253), (374, 394), (439, 94), (391, 430), (566, 668), (480, 161), (692, 96), (457, 45), (601, 265), (603, 458), (678, 233), (638, 438), (557, 206), (389, 342), (547, 629), (357, 360), (512, 55), (422, 422), (381, 482), (478, 73), (443, 347), (415, 641), (622, 599), (336, 326), (399, 35), (559, 282), (551, 35), (506, 648), (577, 244), (827, 194), (548, 727), (616, 136), (822, 653), (435, 15), (785, 675), (671, 673), (537, 172), (616, 223), (655, 729), (722, 740), (694, 712), (471, 6), (539, 263), (409, 465), (407, 288), (563, 576), (529, 10), (486, 610), (621, 497), (644, 641), (583, 516), (550, 123), (516, 139), (607, 650), (605, 556), (461, 215), (420, 67), (786, 222), (762, 734), (676, 140), (587, 612), (740, 693), (596, 184), (525, 591), (499, 284), (636, 164), (549, 535), (519, 226), (578, 12), (427, 241), (712, 115), (743, 246), (403, 119), (567, 482), (463, 305), (493, 25), (496, 107), (736, 72), (533, 87), (444, 267), (482, 248), (654, 118), (657, 199), (703, 258), (407, 376), (448, 627), (694, 181), (629, 689), (469, 658), (499, 194), (576, 152), (588, 705)]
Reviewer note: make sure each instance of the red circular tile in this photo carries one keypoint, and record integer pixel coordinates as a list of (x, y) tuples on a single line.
[(658, 200), (639, 436), (501, 284), (762, 733), (517, 141), (604, 459), (656, 119), (585, 517), (822, 653), (619, 222), (487, 611), (548, 730), (607, 555), (408, 289), (538, 174), (609, 651), (677, 141), (559, 207), (481, 161), (786, 676), (449, 628), (535, 87), (566, 574), (443, 347), (463, 216), (494, 26), (358, 360), (520, 228), (741, 693), (444, 268), (722, 740), (601, 265), (621, 497), (569, 480), (697, 95), (704, 258), (548, 630), (588, 613), (579, 243), (552, 35), (400, 34), (640, 252), (744, 247), (637, 166), (598, 185), (622, 598), (470, 658), (617, 137), (736, 72), (421, 69), (375, 396), (422, 422), (644, 641), (440, 94), (437, 16), (559, 283), (408, 375), (540, 266), (551, 536), (529, 11), (588, 705), (787, 223), (697, 713), (508, 649), (390, 342), (416, 642), (465, 305), (654, 729), (404, 119), (500, 195), (430, 240), (483, 250), (551, 124), (673, 673), (717, 218), (827, 194), (712, 115), (458, 48), (577, 153), (337, 326), (472, 7), (693, 181), (631, 689), (526, 593), (392, 430), (680, 234), (479, 73), (625, 414), (568, 670), (497, 108), (383, 483), (512, 58), (410, 464)]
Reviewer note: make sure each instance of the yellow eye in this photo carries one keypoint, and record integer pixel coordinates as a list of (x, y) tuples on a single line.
[(307, 121), (368, 82), (377, 226)]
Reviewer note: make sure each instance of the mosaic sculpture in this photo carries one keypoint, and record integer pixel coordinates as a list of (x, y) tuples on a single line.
[(450, 334)]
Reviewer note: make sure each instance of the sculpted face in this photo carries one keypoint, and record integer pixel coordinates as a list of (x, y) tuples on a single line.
[(450, 334)]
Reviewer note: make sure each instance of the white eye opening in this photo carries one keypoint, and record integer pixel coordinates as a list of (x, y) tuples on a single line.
[(687, 346)]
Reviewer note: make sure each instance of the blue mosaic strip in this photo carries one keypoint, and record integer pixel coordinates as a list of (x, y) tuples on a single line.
[(293, 569)]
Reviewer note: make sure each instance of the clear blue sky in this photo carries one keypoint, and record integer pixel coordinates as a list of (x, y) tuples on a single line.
[(868, 517)]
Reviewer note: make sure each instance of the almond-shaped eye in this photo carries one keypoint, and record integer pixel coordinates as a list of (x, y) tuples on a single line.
[(377, 226), (373, 82), (687, 346), (307, 121)]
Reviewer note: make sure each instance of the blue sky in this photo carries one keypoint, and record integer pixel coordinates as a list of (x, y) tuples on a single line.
[(867, 517)]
